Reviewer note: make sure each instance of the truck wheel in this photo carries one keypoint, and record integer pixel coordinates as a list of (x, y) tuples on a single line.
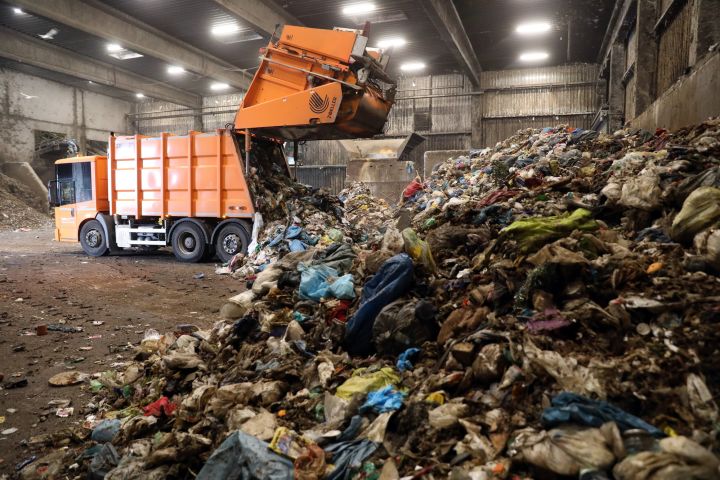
[(188, 243), (92, 239), (231, 240)]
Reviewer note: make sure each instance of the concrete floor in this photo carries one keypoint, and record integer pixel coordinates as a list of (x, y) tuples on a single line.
[(59, 284)]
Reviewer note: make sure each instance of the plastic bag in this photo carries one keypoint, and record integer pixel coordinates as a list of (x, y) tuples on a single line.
[(700, 210), (567, 450), (342, 288), (313, 281), (418, 250), (679, 457), (392, 241), (363, 382), (242, 456), (387, 399), (533, 233)]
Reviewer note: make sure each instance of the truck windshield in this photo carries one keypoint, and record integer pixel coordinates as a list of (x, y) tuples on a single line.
[(74, 182)]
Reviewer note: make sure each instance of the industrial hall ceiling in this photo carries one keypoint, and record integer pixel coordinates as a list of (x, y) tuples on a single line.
[(226, 36)]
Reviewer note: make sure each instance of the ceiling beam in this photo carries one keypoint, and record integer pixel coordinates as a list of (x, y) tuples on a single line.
[(26, 49), (446, 19), (97, 19), (263, 15)]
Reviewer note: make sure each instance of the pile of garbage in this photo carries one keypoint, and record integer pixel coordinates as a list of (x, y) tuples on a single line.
[(300, 217), (17, 206), (547, 308)]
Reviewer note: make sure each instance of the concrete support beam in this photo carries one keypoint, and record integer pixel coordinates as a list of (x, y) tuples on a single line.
[(616, 90), (263, 15), (620, 22), (23, 48), (446, 19), (646, 58), (705, 28), (95, 18), (476, 117)]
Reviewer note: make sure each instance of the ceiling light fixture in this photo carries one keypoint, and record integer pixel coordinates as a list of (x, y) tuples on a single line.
[(225, 29), (412, 66), (175, 70), (392, 42), (18, 11), (358, 8), (114, 47), (219, 86), (533, 28), (534, 56), (139, 95)]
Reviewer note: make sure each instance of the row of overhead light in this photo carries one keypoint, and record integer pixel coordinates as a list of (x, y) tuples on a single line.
[(532, 29), (171, 69), (118, 51), (525, 29)]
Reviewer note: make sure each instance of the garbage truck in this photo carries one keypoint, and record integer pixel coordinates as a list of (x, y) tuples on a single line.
[(192, 192)]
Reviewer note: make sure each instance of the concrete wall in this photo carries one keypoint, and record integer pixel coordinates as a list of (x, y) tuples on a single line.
[(29, 103), (661, 63), (692, 99)]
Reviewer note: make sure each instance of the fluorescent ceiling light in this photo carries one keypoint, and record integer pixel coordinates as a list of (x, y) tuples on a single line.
[(114, 47), (412, 66), (533, 56), (139, 95), (357, 8), (18, 11), (175, 70), (219, 86), (533, 28), (225, 29), (391, 42)]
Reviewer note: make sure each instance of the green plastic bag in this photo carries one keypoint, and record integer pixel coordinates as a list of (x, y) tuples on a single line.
[(533, 233), (363, 382), (418, 250), (700, 210)]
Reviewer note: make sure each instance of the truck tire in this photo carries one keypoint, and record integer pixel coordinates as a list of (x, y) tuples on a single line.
[(92, 239), (231, 240), (188, 243)]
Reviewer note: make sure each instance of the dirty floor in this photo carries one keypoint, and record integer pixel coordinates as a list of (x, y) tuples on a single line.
[(114, 299)]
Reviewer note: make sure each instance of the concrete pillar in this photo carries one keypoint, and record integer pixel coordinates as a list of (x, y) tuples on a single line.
[(197, 123), (476, 116), (646, 58), (705, 28), (616, 90)]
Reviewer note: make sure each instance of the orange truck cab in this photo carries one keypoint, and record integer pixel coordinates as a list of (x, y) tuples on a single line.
[(190, 191)]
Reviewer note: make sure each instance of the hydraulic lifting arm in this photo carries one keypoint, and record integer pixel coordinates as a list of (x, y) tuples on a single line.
[(315, 84)]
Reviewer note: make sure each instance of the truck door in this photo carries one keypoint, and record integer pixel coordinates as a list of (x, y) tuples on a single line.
[(69, 191)]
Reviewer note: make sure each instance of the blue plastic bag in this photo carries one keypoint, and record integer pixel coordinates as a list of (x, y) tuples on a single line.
[(384, 400), (569, 407), (403, 361), (313, 281), (343, 288)]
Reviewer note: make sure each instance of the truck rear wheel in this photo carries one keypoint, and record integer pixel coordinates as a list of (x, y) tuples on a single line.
[(92, 239), (231, 240), (188, 243)]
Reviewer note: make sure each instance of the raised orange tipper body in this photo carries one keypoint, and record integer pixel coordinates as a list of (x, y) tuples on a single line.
[(190, 191)]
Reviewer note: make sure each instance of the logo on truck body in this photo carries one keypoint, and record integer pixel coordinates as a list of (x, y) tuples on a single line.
[(318, 104)]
